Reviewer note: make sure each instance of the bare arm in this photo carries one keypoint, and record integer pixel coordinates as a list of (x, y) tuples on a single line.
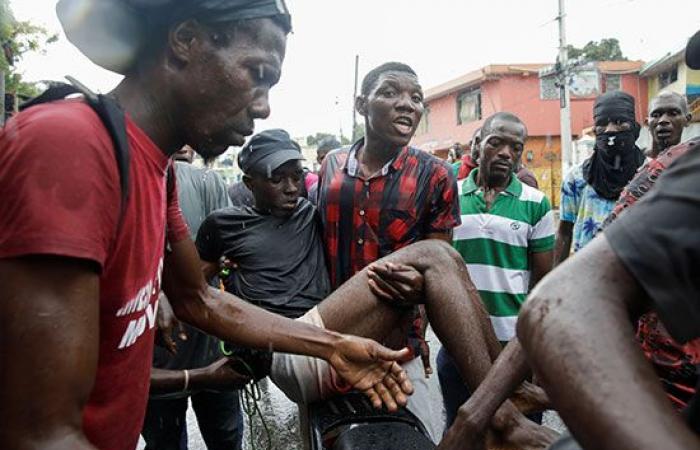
[(49, 332), (362, 362), (592, 369), (218, 375), (210, 269), (225, 316), (541, 264), (562, 247), (474, 417)]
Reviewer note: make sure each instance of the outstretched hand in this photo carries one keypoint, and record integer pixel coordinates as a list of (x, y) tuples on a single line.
[(373, 369), (397, 283)]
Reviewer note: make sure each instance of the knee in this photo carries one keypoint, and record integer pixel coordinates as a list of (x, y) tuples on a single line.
[(434, 253)]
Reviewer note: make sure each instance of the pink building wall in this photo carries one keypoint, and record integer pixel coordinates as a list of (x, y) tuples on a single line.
[(520, 95)]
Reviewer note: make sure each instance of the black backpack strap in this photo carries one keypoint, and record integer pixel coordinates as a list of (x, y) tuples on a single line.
[(114, 121), (112, 117), (58, 91)]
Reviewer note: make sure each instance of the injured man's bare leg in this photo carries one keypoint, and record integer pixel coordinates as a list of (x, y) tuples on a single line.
[(455, 313)]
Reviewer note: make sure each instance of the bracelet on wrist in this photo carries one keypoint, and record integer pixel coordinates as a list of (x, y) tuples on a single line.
[(187, 380)]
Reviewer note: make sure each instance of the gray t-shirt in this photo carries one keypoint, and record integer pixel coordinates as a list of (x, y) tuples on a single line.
[(240, 195), (280, 264), (200, 192)]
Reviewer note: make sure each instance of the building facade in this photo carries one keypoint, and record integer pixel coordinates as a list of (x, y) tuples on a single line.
[(457, 108), (669, 73)]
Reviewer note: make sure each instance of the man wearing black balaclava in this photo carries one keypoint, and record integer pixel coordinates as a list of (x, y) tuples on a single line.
[(589, 191)]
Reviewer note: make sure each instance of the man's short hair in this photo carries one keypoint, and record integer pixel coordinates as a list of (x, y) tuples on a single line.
[(681, 98), (370, 80), (458, 150), (504, 116)]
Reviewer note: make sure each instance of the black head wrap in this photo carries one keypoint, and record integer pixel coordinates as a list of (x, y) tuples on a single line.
[(112, 33), (616, 157), (614, 105), (212, 11)]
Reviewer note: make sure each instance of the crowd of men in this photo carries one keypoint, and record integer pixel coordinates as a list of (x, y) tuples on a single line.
[(334, 276)]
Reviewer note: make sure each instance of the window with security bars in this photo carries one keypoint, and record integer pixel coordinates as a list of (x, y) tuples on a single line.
[(469, 106), (424, 124), (613, 83), (668, 77)]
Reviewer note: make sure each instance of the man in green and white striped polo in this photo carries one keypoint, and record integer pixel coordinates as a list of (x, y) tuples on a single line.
[(506, 238)]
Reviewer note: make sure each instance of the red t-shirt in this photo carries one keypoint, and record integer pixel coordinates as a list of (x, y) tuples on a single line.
[(466, 168), (60, 188)]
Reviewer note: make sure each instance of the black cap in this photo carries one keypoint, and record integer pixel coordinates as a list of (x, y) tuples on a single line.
[(268, 150), (692, 52)]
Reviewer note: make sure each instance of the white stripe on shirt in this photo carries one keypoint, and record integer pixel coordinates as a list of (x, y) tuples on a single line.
[(497, 279)]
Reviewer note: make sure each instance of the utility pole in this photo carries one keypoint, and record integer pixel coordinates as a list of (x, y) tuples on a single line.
[(564, 97), (354, 96)]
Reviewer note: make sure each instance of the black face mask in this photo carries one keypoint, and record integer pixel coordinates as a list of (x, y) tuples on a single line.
[(613, 164), (614, 145)]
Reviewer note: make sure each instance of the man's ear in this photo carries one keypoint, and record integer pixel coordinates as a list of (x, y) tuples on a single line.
[(646, 121), (182, 39), (361, 105), (476, 148), (688, 118)]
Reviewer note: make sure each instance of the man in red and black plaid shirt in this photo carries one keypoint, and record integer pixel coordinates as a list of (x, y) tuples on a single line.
[(380, 194)]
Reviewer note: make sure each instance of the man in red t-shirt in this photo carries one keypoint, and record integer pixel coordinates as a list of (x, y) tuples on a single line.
[(80, 279)]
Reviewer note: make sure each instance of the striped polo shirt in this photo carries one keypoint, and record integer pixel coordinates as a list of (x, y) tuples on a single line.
[(495, 245)]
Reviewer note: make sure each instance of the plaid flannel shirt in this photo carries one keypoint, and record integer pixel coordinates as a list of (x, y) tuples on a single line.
[(413, 195)]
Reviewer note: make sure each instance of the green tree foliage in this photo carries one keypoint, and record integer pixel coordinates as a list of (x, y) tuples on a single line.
[(313, 140), (18, 38), (607, 49)]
